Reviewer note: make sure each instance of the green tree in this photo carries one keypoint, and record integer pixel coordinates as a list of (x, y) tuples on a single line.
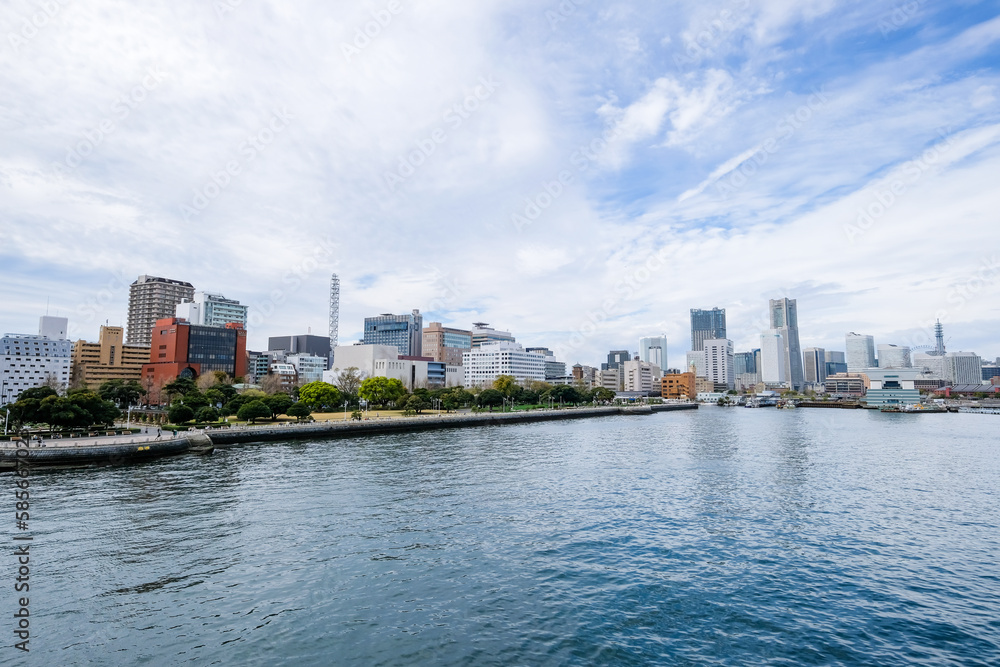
[(63, 411), (121, 393), (100, 411), (252, 411), (381, 391), (299, 410), (207, 415), (39, 393), (278, 404), (179, 387), (602, 395), (180, 414), (195, 400), (490, 398), (506, 385), (416, 404), (319, 396)]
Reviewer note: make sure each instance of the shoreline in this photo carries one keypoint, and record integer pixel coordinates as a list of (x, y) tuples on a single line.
[(74, 454)]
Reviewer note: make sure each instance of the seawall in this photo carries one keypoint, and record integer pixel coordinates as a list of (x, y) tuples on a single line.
[(68, 455)]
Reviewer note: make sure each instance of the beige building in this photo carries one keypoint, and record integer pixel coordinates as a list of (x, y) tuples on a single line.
[(445, 344), (107, 359), (678, 385)]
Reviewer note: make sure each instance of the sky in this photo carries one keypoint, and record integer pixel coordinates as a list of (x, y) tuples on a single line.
[(579, 173)]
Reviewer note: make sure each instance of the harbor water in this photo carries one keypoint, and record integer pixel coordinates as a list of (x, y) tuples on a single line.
[(721, 536)]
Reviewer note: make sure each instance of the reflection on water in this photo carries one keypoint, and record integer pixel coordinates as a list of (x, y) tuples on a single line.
[(727, 536)]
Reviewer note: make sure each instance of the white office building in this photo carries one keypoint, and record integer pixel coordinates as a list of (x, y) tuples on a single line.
[(28, 361), (860, 352), (308, 366), (719, 362), (486, 363), (212, 310), (894, 356), (385, 361), (963, 368), (772, 358), (640, 376)]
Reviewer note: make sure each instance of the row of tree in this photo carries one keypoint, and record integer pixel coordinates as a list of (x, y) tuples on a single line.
[(79, 408)]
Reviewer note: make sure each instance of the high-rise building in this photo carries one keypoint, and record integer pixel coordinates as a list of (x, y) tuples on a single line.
[(211, 310), (483, 333), (107, 359), (860, 352), (894, 356), (615, 360), (719, 363), (746, 369), (182, 349), (151, 299), (654, 350), (932, 365), (28, 361), (814, 365), (445, 344), (963, 368), (406, 332), (772, 358), (785, 318), (707, 325)]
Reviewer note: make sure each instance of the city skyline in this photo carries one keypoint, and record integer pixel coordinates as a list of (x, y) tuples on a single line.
[(698, 173)]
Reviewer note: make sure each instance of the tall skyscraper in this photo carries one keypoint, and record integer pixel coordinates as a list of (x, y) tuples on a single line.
[(963, 368), (406, 332), (151, 299), (860, 352), (719, 362), (894, 356), (785, 318), (707, 325), (772, 357), (814, 365), (654, 350)]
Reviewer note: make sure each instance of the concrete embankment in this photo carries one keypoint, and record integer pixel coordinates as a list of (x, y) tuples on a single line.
[(205, 443)]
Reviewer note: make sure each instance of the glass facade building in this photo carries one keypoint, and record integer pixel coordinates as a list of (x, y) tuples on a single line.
[(405, 332), (707, 325)]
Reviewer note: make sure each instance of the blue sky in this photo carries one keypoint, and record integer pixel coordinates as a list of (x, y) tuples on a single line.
[(579, 173)]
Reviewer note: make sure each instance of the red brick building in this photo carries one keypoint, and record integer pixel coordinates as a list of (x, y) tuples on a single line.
[(181, 349)]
